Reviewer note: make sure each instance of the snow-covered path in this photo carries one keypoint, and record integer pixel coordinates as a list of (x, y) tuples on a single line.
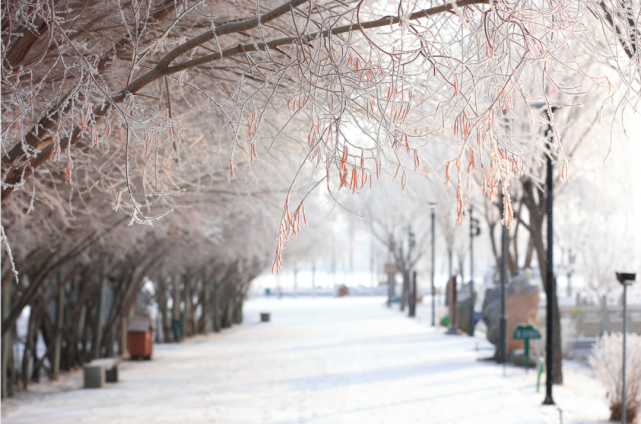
[(322, 360)]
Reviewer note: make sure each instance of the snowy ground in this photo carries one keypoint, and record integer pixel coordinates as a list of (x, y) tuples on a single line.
[(320, 360)]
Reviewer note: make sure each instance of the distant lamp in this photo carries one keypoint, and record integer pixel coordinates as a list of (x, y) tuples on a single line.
[(626, 279)]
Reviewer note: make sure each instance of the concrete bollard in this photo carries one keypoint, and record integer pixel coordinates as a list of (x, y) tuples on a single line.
[(264, 317), (94, 376)]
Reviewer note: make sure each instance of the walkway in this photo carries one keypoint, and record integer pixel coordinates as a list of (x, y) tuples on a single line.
[(322, 360)]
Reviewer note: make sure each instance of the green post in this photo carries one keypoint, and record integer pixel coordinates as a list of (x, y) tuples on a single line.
[(60, 308), (538, 379), (525, 333), (100, 310)]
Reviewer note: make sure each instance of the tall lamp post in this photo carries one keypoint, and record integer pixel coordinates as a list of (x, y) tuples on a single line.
[(475, 230), (410, 292), (549, 270), (550, 283), (503, 318), (625, 279), (432, 207)]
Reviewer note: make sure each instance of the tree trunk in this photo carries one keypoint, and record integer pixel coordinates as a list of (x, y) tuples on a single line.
[(161, 296), (122, 345), (405, 292), (204, 316), (57, 334), (529, 254), (11, 364), (86, 332), (215, 324), (69, 357), (189, 324), (28, 348), (175, 314), (96, 340), (6, 340)]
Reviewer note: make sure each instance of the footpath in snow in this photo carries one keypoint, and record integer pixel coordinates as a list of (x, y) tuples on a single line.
[(320, 360)]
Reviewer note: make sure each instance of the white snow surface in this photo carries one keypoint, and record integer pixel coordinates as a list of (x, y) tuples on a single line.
[(319, 360)]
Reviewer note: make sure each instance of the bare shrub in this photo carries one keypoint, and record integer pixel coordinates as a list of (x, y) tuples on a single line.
[(607, 363), (568, 336)]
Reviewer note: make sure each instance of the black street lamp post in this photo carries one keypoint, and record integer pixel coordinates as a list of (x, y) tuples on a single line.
[(503, 318), (626, 279), (550, 283), (432, 207), (410, 292), (475, 230)]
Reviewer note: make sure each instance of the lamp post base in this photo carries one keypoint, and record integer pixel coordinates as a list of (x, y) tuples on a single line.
[(452, 331), (548, 401)]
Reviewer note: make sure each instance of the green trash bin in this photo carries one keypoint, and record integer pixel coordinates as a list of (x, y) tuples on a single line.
[(177, 328), (445, 322)]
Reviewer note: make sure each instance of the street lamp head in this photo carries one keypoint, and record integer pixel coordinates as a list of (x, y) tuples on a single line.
[(538, 105), (626, 278), (432, 205)]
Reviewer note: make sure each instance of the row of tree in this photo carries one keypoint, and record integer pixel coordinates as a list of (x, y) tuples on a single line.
[(172, 141)]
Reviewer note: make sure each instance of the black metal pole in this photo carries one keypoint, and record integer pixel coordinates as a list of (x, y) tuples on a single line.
[(503, 319), (433, 294), (390, 279), (549, 272), (410, 312), (471, 322), (625, 329)]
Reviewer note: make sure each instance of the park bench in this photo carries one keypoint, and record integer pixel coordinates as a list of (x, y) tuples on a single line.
[(99, 371)]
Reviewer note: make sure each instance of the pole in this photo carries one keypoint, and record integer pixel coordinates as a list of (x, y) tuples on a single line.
[(295, 282), (471, 321), (625, 310), (549, 274), (371, 261), (314, 278), (433, 294), (390, 281), (503, 319), (410, 312), (390, 278), (414, 293)]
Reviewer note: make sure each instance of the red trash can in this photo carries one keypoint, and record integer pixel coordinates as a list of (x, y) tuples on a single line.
[(140, 337)]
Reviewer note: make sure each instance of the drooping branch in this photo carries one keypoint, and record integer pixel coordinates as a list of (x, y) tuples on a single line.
[(15, 177)]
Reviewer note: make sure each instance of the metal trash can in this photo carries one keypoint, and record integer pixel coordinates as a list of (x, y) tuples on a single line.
[(264, 317), (177, 329), (139, 337)]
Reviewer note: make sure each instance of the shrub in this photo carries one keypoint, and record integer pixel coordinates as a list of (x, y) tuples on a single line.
[(607, 363)]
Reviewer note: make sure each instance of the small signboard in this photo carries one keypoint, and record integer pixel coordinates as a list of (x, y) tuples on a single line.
[(390, 268), (525, 333)]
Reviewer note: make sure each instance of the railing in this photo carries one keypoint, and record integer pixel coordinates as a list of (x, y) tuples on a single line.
[(593, 321)]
